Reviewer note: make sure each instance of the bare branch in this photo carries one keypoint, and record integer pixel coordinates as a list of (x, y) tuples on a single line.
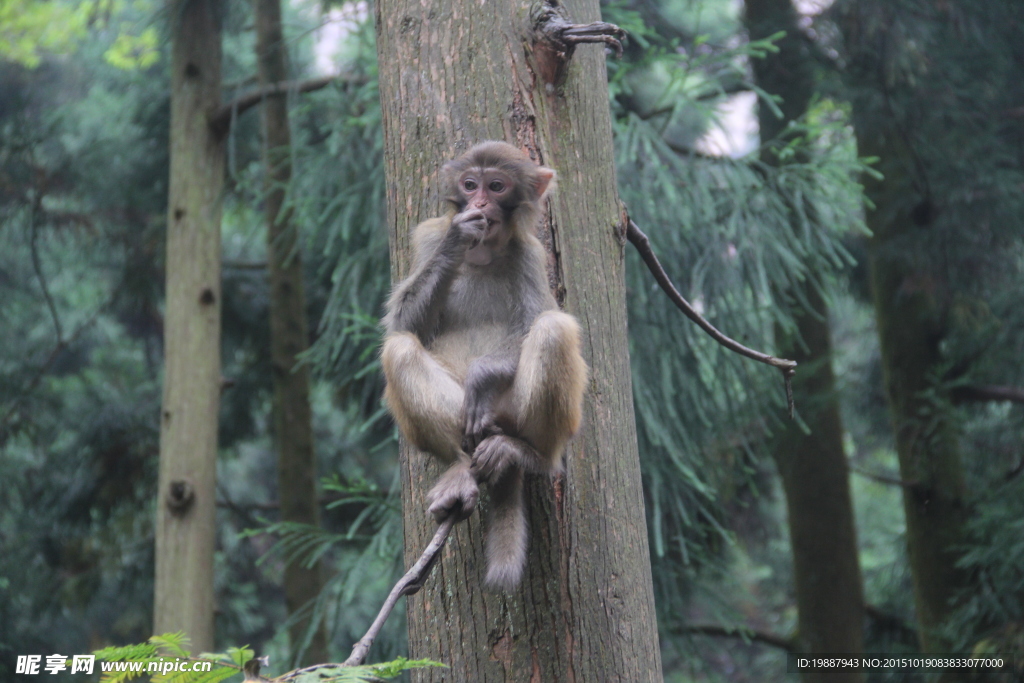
[(643, 245), (407, 585), (220, 119), (38, 267), (41, 371), (987, 392), (882, 478), (275, 505), (703, 96), (245, 265), (743, 632), (595, 32), (556, 39)]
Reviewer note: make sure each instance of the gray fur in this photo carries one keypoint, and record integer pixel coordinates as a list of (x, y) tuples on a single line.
[(506, 532)]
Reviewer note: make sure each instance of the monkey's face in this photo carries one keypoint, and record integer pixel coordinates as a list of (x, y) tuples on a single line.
[(490, 190)]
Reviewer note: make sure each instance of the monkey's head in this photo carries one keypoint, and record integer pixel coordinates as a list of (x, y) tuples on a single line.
[(501, 181)]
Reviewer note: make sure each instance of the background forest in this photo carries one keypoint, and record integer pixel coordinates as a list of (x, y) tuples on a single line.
[(840, 183)]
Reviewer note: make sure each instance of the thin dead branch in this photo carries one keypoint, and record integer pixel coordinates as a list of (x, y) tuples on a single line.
[(220, 119), (987, 393), (38, 267), (407, 585), (245, 265), (273, 505), (882, 478), (742, 632), (37, 377), (643, 245)]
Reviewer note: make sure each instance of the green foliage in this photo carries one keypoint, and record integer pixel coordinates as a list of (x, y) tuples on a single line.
[(732, 234), (370, 542), (934, 89), (990, 616), (162, 648), (631, 21), (393, 668), (29, 28), (172, 646), (134, 52), (344, 208), (82, 205)]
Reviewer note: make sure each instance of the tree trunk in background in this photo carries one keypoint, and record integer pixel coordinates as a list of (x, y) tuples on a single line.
[(453, 73), (185, 529), (815, 478), (910, 304), (813, 466), (293, 425)]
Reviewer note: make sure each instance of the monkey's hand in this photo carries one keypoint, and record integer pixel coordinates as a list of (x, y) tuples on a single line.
[(486, 380), (496, 454), (456, 493), (468, 227), (480, 421)]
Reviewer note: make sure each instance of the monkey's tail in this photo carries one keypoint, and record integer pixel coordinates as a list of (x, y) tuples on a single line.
[(506, 531)]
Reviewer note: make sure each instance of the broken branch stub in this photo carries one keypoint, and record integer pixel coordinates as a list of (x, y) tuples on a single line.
[(556, 38)]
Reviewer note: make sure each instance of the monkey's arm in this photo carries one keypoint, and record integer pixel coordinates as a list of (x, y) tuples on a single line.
[(488, 378), (416, 304)]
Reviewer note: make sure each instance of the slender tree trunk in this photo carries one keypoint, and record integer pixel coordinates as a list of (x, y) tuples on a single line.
[(452, 73), (812, 466), (293, 425), (815, 478), (185, 530), (910, 302)]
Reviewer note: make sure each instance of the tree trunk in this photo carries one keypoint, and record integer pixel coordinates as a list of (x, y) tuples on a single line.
[(293, 425), (453, 73), (910, 304), (813, 468), (815, 478), (185, 529)]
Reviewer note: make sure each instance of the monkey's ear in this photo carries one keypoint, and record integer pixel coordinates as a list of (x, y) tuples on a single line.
[(544, 181), (450, 183)]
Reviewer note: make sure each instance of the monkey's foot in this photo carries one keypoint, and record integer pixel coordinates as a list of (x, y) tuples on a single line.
[(456, 492), (491, 458), (496, 454)]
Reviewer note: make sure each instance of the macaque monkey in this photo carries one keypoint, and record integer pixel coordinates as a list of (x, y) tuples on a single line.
[(483, 370)]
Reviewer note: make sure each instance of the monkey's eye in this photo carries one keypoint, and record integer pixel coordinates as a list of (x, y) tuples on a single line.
[(496, 186), (469, 184)]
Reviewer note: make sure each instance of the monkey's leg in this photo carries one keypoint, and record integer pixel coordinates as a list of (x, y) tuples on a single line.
[(547, 392), (426, 402)]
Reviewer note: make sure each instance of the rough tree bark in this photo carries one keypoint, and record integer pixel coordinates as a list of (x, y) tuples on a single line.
[(813, 468), (185, 528), (293, 422), (453, 73)]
